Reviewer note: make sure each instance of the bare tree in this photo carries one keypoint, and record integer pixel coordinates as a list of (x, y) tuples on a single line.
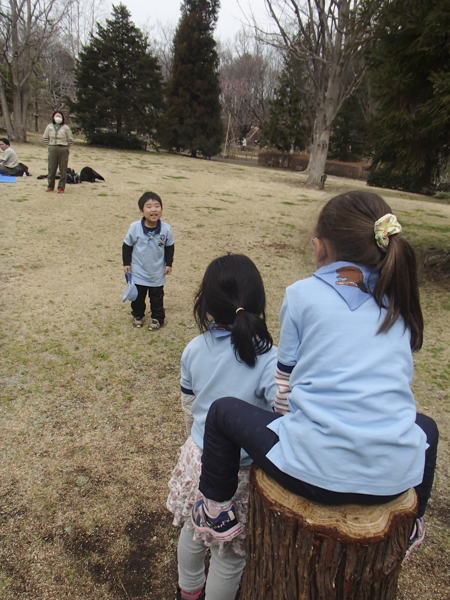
[(328, 37), (160, 38), (80, 22), (26, 27), (58, 76), (248, 76)]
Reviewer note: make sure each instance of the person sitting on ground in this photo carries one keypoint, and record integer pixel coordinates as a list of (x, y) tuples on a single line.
[(350, 432), (8, 160)]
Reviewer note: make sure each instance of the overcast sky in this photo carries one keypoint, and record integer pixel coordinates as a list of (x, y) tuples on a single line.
[(147, 12)]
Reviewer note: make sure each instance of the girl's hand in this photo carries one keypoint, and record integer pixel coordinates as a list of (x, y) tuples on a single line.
[(168, 270), (127, 269)]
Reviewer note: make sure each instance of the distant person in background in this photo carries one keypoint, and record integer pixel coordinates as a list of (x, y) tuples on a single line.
[(58, 138), (244, 144), (8, 160)]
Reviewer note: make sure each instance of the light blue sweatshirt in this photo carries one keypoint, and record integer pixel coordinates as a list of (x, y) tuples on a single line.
[(147, 261), (352, 422), (210, 370)]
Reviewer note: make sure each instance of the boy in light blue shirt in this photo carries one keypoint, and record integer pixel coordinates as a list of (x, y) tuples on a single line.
[(147, 254)]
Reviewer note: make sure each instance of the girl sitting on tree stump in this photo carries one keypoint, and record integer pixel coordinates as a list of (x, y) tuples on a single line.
[(349, 432)]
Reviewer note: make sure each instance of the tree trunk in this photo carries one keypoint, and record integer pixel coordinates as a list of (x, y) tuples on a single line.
[(36, 115), (24, 93), (300, 550), (19, 129), (318, 154), (5, 110), (325, 114), (19, 63)]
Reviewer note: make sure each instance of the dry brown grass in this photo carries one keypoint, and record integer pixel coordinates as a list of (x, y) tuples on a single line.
[(89, 408)]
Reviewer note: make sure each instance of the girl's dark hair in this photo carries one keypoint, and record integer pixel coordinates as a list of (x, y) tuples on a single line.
[(58, 112), (148, 196), (5, 141), (347, 223), (231, 282)]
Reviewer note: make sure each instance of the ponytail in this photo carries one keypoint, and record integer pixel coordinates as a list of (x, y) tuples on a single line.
[(347, 222), (398, 282), (232, 293), (250, 337)]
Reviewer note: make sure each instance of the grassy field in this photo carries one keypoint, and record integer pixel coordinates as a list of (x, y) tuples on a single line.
[(90, 418)]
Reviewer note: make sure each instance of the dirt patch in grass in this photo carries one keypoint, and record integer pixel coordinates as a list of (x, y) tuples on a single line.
[(90, 418)]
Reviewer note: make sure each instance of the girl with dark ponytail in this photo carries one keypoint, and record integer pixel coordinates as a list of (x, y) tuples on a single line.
[(233, 355), (232, 293), (348, 430)]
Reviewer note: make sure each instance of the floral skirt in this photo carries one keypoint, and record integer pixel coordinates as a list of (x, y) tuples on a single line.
[(183, 493)]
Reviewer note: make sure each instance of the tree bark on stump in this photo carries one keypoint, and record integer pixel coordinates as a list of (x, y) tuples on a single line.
[(301, 550)]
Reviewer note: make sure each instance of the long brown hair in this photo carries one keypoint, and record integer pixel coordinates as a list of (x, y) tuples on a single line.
[(347, 223)]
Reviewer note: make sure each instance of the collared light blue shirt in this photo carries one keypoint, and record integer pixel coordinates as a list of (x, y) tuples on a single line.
[(147, 261), (352, 422), (210, 370)]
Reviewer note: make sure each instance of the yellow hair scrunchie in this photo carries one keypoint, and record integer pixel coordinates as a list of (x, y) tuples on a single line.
[(384, 227)]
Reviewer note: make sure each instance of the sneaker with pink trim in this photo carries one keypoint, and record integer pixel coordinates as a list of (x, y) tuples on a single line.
[(224, 527), (186, 596), (416, 538)]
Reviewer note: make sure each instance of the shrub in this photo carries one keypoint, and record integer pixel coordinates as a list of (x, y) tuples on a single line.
[(117, 140), (385, 177), (299, 162), (283, 160)]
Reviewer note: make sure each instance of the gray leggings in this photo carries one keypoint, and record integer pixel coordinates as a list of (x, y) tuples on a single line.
[(224, 573)]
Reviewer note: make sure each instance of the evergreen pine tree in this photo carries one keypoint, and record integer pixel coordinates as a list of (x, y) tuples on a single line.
[(119, 83), (193, 116), (285, 127), (410, 75)]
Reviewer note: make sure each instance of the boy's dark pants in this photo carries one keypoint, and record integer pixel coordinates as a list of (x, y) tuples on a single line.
[(156, 298), (233, 424)]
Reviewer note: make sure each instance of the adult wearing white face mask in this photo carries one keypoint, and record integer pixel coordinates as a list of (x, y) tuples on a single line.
[(58, 138)]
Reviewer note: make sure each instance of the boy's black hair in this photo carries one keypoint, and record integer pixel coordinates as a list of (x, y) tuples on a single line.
[(58, 112), (148, 196), (233, 282), (5, 141)]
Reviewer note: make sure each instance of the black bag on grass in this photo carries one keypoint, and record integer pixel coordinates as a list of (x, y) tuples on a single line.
[(88, 174), (23, 169), (72, 177)]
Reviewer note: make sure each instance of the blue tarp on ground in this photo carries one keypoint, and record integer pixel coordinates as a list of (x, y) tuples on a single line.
[(7, 179)]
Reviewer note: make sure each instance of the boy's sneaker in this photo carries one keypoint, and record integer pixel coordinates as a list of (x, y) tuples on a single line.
[(183, 596), (138, 322), (417, 537), (224, 527), (154, 325)]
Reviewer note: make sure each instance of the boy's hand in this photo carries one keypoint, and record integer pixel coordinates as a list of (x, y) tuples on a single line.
[(127, 268), (168, 270)]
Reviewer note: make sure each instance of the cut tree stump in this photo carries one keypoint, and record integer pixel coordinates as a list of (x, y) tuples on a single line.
[(301, 550)]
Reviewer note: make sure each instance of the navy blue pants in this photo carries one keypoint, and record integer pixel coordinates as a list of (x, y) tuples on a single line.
[(156, 301), (233, 424)]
